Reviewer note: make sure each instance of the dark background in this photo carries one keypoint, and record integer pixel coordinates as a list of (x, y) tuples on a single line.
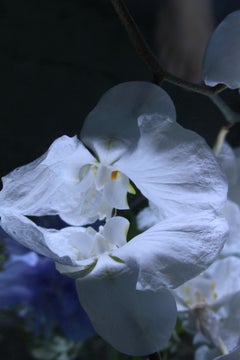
[(56, 59)]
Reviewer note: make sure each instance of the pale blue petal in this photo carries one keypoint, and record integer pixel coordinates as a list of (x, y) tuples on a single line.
[(221, 61), (133, 322), (30, 258)]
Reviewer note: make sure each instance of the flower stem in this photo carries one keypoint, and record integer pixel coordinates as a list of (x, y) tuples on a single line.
[(197, 88), (220, 139), (137, 39)]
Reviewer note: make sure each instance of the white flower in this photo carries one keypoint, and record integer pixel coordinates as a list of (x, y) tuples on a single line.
[(210, 287), (222, 57), (123, 286), (212, 301), (132, 134)]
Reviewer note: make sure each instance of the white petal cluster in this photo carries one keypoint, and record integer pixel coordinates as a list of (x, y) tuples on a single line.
[(130, 140)]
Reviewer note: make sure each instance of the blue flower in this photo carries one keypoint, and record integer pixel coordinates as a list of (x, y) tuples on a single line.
[(47, 299)]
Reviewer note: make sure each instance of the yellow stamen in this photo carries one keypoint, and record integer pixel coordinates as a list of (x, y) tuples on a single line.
[(115, 175)]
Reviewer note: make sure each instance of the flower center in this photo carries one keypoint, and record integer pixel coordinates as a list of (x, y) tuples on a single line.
[(115, 175), (90, 243)]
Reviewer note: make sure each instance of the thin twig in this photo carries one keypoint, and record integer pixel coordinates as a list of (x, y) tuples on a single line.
[(137, 39), (197, 88)]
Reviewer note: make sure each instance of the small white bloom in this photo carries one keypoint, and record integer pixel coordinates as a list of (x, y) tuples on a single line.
[(213, 298), (211, 286)]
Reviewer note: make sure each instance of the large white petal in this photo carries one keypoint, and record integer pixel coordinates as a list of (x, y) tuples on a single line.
[(115, 116), (221, 61), (174, 251), (133, 322), (50, 184), (174, 168)]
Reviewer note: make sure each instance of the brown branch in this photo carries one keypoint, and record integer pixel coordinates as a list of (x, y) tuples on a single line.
[(198, 88), (137, 39), (159, 74)]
